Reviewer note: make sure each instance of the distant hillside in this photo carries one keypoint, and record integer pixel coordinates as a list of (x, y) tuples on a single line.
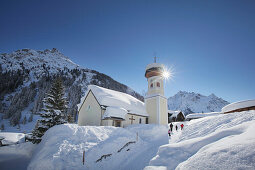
[(195, 103), (26, 76)]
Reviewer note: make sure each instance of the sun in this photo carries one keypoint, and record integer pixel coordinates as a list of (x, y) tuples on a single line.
[(167, 73)]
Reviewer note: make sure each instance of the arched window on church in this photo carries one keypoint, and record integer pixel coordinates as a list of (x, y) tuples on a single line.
[(88, 108), (140, 120), (158, 84), (151, 85)]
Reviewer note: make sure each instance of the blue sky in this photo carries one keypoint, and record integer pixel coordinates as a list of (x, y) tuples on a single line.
[(210, 44)]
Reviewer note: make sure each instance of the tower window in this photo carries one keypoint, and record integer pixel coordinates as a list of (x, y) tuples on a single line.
[(151, 85), (158, 84)]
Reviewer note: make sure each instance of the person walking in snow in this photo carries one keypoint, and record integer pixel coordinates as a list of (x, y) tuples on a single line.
[(169, 132), (182, 125), (171, 127), (176, 127)]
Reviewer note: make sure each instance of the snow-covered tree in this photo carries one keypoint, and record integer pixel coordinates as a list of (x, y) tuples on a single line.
[(53, 112)]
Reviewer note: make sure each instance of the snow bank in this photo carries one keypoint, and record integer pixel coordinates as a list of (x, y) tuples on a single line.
[(238, 105), (105, 147), (232, 152), (12, 138), (216, 142)]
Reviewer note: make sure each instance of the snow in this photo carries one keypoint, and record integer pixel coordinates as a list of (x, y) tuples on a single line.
[(200, 115), (220, 141), (154, 65), (33, 60), (16, 157), (12, 138), (62, 147), (224, 141), (238, 105), (22, 128), (116, 112), (107, 97)]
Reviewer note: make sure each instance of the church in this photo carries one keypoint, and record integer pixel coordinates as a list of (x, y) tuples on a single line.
[(105, 107)]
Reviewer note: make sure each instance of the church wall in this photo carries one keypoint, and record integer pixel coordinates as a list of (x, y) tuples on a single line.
[(155, 89), (90, 112), (151, 109), (137, 118), (163, 111), (107, 122)]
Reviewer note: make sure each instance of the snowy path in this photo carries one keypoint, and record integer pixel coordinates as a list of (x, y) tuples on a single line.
[(16, 157), (14, 161)]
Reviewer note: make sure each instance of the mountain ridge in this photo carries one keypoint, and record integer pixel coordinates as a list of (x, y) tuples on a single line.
[(191, 102)]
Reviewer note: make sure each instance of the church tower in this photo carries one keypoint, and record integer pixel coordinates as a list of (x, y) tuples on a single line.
[(155, 101)]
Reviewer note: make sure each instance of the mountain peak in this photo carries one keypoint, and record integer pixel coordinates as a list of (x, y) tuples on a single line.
[(32, 59), (190, 102)]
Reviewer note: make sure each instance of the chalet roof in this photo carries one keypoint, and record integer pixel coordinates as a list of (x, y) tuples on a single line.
[(238, 105), (112, 98), (175, 113), (200, 115)]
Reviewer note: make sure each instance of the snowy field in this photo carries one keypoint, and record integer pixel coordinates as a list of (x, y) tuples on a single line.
[(218, 142), (224, 141)]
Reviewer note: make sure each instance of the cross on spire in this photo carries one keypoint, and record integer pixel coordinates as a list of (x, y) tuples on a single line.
[(155, 57)]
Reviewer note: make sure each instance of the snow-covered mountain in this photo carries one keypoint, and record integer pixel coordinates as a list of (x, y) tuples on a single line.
[(195, 103), (36, 61), (26, 75)]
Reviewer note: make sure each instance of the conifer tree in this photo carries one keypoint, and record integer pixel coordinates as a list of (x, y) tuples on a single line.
[(53, 111)]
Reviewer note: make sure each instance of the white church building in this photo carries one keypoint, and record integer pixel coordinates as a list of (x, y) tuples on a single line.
[(105, 107)]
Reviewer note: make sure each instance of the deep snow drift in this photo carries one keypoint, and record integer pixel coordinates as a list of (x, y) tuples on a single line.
[(105, 147), (225, 141)]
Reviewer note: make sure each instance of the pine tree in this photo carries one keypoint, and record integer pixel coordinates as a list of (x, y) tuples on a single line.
[(53, 111), (70, 118)]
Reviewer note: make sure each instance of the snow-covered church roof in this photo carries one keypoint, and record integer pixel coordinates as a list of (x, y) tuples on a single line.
[(114, 100), (115, 112)]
